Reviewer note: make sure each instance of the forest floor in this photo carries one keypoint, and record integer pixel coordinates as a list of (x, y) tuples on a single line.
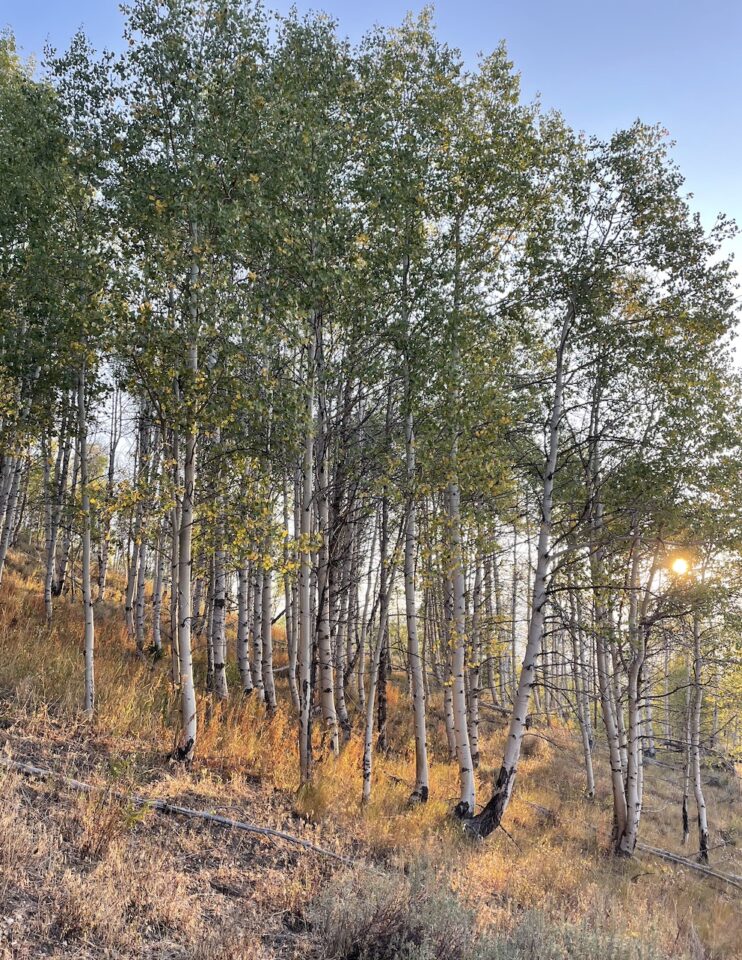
[(88, 875)]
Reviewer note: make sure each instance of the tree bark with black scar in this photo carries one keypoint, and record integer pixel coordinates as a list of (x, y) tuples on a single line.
[(491, 816)]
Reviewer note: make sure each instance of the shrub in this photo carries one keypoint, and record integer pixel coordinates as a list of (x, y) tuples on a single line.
[(365, 916), (536, 939)]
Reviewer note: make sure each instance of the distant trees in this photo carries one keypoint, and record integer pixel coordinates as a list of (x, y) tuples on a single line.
[(291, 331)]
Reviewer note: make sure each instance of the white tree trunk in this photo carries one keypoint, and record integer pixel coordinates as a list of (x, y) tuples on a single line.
[(467, 797), (269, 685), (157, 594), (491, 816), (422, 785), (703, 827), (289, 597), (219, 625), (475, 666), (305, 573), (324, 645), (189, 718), (243, 627), (256, 665), (87, 593)]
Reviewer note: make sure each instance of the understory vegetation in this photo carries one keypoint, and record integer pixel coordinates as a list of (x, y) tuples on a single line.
[(370, 451), (93, 875)]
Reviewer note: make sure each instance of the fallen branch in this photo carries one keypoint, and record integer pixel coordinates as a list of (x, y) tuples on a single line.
[(684, 862), (164, 806), (664, 854)]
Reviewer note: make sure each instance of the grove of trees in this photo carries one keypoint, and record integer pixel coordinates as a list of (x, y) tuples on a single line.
[(304, 333)]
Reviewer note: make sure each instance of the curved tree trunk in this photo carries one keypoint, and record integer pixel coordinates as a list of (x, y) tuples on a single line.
[(491, 816)]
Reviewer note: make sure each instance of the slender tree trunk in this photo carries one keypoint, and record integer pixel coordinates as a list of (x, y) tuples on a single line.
[(626, 843), (703, 828), (342, 632), (514, 617), (422, 785), (113, 443), (269, 685), (10, 511), (257, 630), (289, 598), (475, 665), (326, 678), (189, 719), (219, 624), (365, 625), (491, 816), (305, 571), (688, 722), (87, 594), (466, 805), (243, 627), (141, 581), (581, 701), (368, 746), (157, 593), (56, 503)]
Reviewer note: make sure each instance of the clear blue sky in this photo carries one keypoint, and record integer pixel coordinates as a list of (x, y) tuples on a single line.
[(601, 62)]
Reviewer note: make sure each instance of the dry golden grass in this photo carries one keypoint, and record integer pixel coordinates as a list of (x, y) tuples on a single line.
[(88, 875)]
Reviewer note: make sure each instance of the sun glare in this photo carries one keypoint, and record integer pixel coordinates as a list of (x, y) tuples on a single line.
[(680, 566)]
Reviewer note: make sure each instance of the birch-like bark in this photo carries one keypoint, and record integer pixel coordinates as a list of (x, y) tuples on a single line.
[(269, 685), (342, 631), (175, 513), (583, 707), (465, 806), (475, 665), (219, 618), (497, 651), (87, 593), (374, 666), (305, 571), (132, 583), (289, 599), (189, 717), (365, 626), (422, 782), (139, 606), (695, 740), (10, 511), (324, 645), (256, 665), (243, 627), (448, 717), (157, 593), (185, 614), (626, 843), (103, 546), (491, 816), (688, 722), (56, 503), (514, 616), (64, 555)]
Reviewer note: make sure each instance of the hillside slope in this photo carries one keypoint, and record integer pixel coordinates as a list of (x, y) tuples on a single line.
[(92, 875)]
